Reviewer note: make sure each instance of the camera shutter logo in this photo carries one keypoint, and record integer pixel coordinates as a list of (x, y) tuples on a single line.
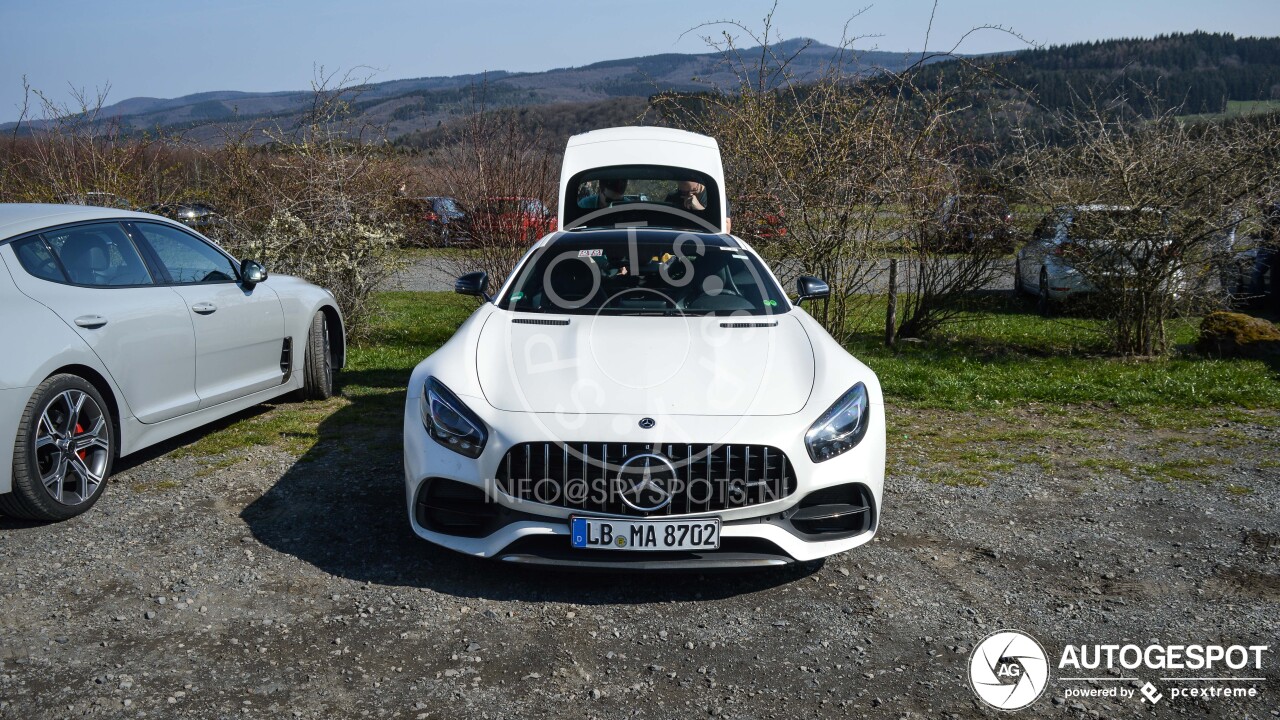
[(1008, 670)]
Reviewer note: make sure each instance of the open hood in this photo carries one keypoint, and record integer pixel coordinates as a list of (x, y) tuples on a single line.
[(638, 365)]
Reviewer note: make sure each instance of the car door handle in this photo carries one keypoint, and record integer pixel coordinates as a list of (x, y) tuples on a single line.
[(91, 321), (204, 308)]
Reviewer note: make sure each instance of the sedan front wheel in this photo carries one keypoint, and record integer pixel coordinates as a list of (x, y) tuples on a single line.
[(317, 369), (63, 452)]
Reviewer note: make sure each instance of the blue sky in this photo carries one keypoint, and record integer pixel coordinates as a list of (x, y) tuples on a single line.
[(177, 47)]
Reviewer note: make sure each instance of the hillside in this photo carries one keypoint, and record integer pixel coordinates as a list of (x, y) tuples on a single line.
[(420, 104)]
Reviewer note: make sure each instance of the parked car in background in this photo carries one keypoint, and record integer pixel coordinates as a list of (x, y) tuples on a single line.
[(98, 199), (194, 214), (433, 221), (967, 222), (133, 328), (1249, 276), (644, 397), (520, 219), (1072, 247)]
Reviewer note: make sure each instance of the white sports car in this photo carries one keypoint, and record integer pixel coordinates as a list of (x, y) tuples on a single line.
[(126, 329), (641, 393)]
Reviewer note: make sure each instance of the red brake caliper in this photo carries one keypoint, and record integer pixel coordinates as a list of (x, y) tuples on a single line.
[(82, 453)]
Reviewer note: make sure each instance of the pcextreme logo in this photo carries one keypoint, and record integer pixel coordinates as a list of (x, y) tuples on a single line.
[(1009, 670)]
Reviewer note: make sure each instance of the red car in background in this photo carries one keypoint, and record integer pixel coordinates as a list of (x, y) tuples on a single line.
[(760, 217), (518, 219)]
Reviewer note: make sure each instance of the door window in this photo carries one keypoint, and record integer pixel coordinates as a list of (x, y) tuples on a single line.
[(97, 255), (186, 258)]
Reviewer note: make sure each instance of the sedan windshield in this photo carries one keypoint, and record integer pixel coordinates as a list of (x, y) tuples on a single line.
[(643, 272)]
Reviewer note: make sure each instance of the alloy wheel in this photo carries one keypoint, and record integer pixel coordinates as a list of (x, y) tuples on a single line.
[(72, 447)]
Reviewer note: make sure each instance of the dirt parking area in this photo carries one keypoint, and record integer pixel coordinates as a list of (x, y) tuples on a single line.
[(260, 584)]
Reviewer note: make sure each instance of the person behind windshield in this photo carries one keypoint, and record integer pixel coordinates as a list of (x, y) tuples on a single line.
[(611, 191), (690, 195)]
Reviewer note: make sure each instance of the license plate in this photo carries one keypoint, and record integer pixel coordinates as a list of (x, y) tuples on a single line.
[(614, 534)]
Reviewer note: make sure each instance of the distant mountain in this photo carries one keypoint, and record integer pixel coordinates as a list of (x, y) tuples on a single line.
[(1202, 72), (420, 104)]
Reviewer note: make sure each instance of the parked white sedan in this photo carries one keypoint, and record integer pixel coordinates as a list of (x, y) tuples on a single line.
[(125, 329)]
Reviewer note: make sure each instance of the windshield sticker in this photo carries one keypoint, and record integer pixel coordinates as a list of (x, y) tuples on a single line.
[(590, 253), (516, 296), (740, 257), (771, 303)]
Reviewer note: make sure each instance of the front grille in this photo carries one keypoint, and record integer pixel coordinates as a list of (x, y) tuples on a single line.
[(595, 477)]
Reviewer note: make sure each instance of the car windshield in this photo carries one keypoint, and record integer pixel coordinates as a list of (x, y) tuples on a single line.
[(643, 273), (446, 206), (642, 195)]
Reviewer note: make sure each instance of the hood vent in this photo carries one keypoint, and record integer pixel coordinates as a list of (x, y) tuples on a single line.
[(772, 323), (539, 321)]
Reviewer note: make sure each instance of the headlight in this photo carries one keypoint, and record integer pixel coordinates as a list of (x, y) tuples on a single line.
[(841, 427), (450, 422)]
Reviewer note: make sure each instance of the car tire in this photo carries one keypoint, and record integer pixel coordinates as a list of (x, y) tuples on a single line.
[(63, 452), (317, 365), (1045, 304)]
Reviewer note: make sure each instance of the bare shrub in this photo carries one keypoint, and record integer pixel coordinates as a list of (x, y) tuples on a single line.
[(1159, 194), (855, 162), (500, 171), (315, 200), (70, 153)]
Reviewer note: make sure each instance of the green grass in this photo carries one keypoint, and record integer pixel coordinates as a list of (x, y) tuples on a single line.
[(962, 396), (1007, 355), (409, 326), (1237, 108)]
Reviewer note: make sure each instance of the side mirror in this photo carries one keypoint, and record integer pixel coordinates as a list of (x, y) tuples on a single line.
[(473, 283), (811, 288), (252, 272)]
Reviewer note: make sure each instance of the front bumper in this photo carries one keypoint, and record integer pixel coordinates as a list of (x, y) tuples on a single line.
[(758, 535)]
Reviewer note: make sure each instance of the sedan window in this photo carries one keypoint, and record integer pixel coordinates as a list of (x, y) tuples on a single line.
[(98, 255), (37, 260), (187, 258)]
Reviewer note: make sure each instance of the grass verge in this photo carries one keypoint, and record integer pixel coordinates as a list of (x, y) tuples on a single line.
[(1001, 388)]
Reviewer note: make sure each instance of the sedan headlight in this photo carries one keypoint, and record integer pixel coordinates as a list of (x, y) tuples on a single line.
[(841, 427), (450, 422)]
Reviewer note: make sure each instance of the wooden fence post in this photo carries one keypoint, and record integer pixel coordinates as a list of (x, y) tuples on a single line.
[(891, 315)]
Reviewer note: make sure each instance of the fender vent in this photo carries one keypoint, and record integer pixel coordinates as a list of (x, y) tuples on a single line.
[(539, 321), (773, 323), (286, 357)]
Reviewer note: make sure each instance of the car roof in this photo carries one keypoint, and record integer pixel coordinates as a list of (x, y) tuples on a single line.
[(641, 133), (19, 218)]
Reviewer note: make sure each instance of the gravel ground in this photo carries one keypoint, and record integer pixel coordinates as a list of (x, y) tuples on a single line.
[(275, 586), (428, 274)]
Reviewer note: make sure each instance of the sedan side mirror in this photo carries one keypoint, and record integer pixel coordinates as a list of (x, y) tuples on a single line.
[(811, 288), (252, 272), (473, 283)]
